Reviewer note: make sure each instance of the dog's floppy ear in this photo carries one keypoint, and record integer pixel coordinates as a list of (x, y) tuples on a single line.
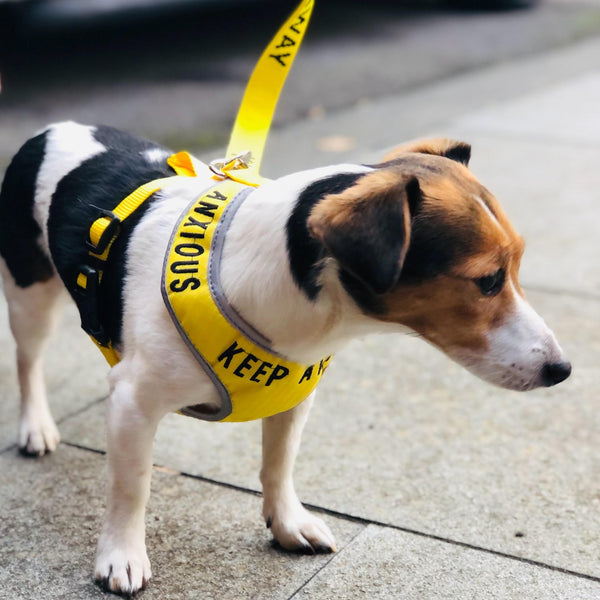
[(452, 149), (366, 228)]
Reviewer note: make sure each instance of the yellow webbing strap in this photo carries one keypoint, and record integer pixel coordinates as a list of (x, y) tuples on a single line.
[(184, 165), (124, 209), (111, 356), (256, 111)]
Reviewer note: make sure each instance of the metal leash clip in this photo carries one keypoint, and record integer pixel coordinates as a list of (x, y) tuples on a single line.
[(220, 166)]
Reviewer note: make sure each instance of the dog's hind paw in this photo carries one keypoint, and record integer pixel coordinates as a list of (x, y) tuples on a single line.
[(121, 572), (37, 436)]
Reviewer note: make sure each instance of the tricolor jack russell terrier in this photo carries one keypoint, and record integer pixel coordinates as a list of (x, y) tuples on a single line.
[(309, 261)]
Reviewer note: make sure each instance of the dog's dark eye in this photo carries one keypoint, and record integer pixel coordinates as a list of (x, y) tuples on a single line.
[(491, 284)]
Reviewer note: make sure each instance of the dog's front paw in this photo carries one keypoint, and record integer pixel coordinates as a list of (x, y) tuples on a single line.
[(38, 435), (294, 528), (123, 571)]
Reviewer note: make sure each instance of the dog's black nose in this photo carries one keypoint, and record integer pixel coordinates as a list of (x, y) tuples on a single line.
[(553, 373)]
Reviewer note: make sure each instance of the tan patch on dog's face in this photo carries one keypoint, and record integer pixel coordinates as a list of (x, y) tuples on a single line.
[(459, 236)]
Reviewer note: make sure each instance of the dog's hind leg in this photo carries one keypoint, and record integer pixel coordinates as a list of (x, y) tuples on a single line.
[(291, 524), (33, 314), (33, 290)]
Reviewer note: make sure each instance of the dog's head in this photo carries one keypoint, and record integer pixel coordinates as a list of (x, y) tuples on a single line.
[(420, 242)]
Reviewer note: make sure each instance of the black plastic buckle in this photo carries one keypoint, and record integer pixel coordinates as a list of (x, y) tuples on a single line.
[(109, 233), (87, 303)]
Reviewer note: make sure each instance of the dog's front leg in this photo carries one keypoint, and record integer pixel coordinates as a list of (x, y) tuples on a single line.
[(292, 525), (122, 565)]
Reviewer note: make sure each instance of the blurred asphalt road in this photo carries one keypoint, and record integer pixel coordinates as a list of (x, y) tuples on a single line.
[(178, 76)]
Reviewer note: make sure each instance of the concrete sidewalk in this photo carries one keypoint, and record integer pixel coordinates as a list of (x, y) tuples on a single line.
[(436, 485)]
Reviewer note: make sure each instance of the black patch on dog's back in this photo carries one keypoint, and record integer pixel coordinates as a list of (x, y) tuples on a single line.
[(305, 253), (101, 182), (19, 231)]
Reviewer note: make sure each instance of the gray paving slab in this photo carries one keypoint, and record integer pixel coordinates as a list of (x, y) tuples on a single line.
[(384, 564), (427, 110), (421, 444), (226, 452), (204, 541), (565, 113), (401, 435)]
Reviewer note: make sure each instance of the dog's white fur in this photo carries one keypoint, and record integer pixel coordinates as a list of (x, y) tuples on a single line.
[(524, 340), (60, 160), (157, 373)]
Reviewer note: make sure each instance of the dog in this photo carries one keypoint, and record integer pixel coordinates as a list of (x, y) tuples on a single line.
[(309, 261)]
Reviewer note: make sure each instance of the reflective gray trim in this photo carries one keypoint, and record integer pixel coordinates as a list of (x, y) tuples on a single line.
[(226, 406), (214, 277)]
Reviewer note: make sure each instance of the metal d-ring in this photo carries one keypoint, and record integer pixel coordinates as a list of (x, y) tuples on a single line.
[(220, 166)]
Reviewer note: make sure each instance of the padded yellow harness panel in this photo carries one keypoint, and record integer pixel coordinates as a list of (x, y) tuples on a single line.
[(252, 380)]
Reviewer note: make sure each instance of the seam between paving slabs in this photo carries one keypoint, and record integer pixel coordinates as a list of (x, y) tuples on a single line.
[(324, 566), (366, 521), (459, 543)]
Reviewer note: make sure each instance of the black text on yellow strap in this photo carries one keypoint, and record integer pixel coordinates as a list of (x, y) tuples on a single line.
[(288, 41)]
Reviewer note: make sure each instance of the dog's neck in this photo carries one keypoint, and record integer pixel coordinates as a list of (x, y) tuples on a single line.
[(258, 283)]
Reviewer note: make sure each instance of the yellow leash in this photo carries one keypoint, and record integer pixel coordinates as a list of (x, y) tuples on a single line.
[(241, 163), (253, 121)]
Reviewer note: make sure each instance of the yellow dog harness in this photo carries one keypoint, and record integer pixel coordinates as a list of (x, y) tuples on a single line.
[(252, 380)]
